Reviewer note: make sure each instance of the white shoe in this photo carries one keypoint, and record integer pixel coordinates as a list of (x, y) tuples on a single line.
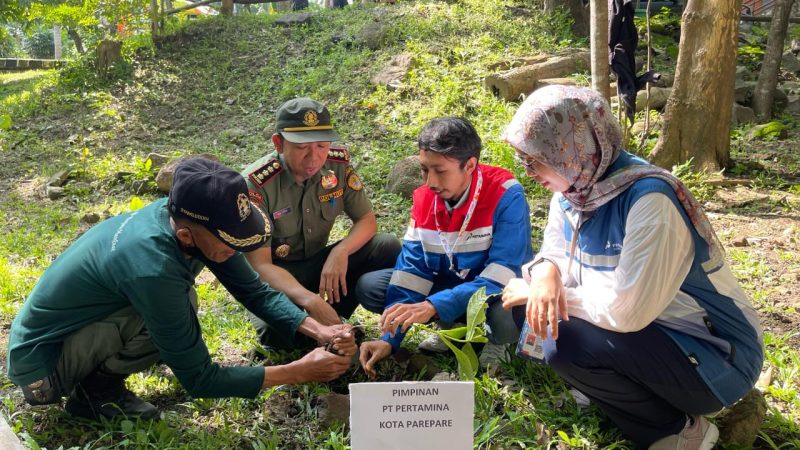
[(698, 434), (491, 355), (434, 344)]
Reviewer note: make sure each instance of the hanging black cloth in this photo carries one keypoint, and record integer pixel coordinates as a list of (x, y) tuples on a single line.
[(622, 42)]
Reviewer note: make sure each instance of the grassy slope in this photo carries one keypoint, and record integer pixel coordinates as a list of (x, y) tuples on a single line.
[(213, 86)]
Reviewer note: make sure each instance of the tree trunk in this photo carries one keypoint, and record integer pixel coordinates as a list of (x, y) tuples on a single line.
[(108, 53), (577, 9), (698, 112), (599, 47), (76, 38), (227, 8), (154, 18), (764, 95)]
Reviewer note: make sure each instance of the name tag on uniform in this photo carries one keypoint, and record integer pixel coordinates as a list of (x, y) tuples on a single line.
[(331, 196), (281, 212)]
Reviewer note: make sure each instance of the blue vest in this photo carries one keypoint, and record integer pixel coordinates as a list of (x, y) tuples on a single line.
[(729, 375)]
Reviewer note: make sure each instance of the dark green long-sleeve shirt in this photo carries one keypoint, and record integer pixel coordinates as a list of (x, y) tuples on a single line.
[(135, 260)]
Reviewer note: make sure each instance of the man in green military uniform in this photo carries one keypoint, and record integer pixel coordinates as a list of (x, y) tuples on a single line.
[(121, 298), (303, 186)]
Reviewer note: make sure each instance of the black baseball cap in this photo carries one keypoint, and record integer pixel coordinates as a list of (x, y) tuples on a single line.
[(303, 120), (214, 196)]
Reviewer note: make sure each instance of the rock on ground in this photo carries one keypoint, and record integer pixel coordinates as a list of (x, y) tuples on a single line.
[(164, 176), (333, 408), (739, 424), (293, 19), (405, 177), (394, 72)]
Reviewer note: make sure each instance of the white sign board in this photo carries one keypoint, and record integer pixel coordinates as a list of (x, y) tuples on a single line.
[(418, 415)]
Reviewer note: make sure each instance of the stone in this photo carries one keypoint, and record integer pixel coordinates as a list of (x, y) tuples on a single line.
[(742, 114), (740, 242), (372, 36), (780, 100), (158, 160), (445, 376), (394, 72), (743, 92), (333, 408), (422, 365), (294, 19), (658, 98), (405, 177), (54, 192), (666, 80), (139, 187), (772, 128), (744, 74), (791, 87), (739, 424), (122, 175), (793, 104), (233, 135), (91, 217), (164, 176), (60, 178), (554, 81), (790, 63)]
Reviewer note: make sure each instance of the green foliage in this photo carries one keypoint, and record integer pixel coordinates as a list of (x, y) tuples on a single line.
[(472, 332), (750, 56), (696, 182), (40, 44), (9, 43), (664, 20), (769, 131)]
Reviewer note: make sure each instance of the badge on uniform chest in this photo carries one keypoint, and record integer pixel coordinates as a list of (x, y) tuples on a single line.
[(329, 181), (281, 212), (282, 251)]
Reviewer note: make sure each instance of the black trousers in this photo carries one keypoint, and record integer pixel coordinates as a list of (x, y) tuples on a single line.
[(379, 253), (642, 380)]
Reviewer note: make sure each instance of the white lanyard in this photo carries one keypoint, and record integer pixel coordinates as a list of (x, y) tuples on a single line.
[(450, 250)]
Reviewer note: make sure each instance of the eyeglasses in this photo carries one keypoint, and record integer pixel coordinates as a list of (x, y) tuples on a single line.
[(527, 163)]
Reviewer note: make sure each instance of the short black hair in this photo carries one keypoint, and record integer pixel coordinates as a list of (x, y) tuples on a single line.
[(452, 137)]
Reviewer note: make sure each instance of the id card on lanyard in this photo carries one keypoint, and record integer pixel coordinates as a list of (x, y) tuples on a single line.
[(449, 250)]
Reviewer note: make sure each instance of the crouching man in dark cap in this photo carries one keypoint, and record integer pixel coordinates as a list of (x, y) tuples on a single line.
[(121, 298)]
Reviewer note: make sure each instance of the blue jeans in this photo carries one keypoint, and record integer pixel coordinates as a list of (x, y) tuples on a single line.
[(642, 380), (500, 324)]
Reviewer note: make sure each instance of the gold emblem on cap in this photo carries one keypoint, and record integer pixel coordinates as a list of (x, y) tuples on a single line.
[(310, 118), (282, 251), (243, 203)]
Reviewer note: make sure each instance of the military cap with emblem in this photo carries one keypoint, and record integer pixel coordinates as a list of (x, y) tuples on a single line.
[(302, 120), (216, 197)]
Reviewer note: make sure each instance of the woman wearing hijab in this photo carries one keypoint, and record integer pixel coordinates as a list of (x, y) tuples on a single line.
[(654, 327)]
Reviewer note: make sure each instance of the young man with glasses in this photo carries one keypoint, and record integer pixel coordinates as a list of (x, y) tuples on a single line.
[(470, 228)]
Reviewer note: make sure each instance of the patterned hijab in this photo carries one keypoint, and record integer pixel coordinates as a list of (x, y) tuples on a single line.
[(572, 131)]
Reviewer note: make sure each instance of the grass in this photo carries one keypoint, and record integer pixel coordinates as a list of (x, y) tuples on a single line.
[(213, 86)]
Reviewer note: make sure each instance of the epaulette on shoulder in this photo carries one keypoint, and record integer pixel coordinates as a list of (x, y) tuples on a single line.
[(261, 175), (339, 154)]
